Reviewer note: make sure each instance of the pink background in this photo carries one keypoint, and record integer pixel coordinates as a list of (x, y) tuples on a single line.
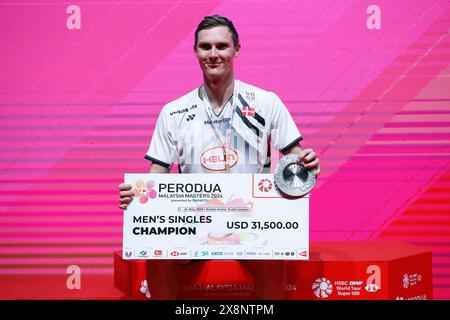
[(78, 108)]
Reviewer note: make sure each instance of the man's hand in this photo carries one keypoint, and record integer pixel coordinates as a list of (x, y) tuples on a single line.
[(126, 195), (307, 156), (310, 160)]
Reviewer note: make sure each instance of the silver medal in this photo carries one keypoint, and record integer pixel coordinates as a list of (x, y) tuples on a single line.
[(292, 178)]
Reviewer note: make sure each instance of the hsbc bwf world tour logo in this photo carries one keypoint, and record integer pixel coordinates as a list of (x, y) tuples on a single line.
[(322, 288)]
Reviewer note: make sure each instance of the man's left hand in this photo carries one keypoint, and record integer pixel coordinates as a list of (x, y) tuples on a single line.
[(310, 160)]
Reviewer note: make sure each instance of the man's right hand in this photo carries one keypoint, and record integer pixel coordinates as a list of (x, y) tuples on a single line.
[(126, 195)]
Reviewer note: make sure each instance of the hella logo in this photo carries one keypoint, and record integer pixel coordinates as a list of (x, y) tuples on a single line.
[(214, 159)]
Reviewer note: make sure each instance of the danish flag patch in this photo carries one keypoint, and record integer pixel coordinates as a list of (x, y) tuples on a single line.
[(248, 111)]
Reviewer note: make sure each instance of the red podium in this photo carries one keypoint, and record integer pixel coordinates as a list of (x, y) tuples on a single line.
[(336, 270)]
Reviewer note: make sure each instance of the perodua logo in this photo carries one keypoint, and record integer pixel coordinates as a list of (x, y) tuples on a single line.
[(215, 159), (144, 190)]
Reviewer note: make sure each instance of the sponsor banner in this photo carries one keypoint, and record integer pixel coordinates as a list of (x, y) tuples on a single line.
[(364, 271), (205, 216)]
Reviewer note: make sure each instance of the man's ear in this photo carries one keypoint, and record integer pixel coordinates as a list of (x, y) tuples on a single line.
[(195, 50), (238, 49)]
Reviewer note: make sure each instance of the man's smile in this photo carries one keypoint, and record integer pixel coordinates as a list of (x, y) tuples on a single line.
[(213, 64)]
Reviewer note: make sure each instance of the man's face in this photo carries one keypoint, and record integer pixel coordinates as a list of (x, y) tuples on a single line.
[(215, 51)]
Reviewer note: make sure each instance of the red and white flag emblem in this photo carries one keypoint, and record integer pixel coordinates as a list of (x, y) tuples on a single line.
[(248, 111)]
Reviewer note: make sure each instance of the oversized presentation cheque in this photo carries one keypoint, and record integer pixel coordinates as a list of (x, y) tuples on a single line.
[(212, 216)]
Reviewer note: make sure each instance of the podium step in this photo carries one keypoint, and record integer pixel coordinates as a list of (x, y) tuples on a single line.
[(54, 287), (335, 271)]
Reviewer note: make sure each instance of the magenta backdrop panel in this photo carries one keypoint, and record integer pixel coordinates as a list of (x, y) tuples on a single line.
[(367, 83)]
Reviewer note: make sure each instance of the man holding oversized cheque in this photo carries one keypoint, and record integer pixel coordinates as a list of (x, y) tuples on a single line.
[(224, 126)]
